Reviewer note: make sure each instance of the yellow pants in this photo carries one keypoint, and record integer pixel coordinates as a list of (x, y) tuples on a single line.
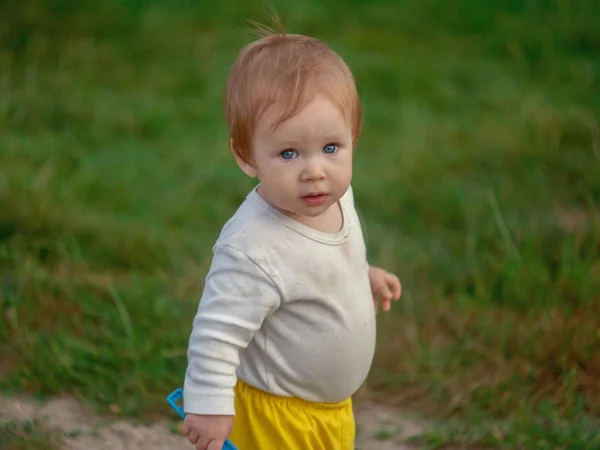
[(267, 422)]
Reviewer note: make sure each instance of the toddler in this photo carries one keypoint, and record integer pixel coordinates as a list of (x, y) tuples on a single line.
[(285, 331)]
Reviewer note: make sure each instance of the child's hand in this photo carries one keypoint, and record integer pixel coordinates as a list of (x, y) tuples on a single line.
[(385, 285), (207, 432)]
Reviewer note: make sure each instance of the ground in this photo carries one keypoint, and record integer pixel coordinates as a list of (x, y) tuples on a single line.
[(380, 427), (476, 176)]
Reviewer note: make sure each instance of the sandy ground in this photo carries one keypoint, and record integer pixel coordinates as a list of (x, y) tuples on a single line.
[(84, 431)]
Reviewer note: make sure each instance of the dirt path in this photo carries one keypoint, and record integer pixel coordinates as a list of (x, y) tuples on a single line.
[(379, 428)]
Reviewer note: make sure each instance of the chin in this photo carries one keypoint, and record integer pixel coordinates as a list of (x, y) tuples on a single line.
[(304, 211), (315, 211), (300, 209)]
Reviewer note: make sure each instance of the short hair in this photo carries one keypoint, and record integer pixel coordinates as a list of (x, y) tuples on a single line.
[(288, 70)]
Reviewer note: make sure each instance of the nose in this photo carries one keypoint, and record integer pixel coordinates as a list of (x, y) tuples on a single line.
[(313, 170)]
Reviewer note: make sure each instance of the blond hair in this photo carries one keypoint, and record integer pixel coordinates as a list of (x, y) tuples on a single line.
[(286, 70)]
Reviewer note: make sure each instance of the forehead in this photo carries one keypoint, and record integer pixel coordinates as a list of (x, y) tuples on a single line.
[(319, 117)]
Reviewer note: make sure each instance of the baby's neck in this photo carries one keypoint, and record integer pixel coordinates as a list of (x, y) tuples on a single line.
[(331, 221)]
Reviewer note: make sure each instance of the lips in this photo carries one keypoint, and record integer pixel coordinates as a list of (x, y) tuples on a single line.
[(315, 199)]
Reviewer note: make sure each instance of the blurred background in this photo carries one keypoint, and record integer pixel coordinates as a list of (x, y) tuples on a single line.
[(477, 179)]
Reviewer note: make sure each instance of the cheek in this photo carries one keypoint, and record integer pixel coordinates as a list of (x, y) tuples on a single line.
[(344, 172), (344, 166), (277, 175)]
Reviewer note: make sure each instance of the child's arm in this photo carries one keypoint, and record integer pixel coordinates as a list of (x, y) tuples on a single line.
[(237, 297)]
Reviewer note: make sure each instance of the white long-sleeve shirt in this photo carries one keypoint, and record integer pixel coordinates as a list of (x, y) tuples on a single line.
[(285, 308)]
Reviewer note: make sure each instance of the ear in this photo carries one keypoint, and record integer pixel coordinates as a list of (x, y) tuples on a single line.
[(247, 168)]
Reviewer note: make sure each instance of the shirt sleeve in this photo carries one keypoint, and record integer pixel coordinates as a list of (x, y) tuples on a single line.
[(238, 295)]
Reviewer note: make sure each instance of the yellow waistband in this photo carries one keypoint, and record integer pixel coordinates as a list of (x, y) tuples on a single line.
[(245, 389)]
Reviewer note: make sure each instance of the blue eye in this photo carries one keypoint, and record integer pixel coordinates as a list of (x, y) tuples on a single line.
[(330, 148), (288, 154)]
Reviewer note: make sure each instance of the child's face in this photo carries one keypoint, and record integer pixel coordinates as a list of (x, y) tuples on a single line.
[(305, 165)]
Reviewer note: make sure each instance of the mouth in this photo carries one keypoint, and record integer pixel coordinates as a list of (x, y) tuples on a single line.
[(315, 198)]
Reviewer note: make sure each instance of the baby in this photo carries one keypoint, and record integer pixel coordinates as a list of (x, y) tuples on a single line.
[(285, 330)]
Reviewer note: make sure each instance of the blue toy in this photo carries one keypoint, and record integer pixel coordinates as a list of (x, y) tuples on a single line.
[(172, 400)]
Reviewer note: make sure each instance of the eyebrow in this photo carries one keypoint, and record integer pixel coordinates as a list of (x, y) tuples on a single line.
[(291, 142)]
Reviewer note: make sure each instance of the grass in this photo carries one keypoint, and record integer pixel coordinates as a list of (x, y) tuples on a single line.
[(539, 429), (27, 435), (477, 178)]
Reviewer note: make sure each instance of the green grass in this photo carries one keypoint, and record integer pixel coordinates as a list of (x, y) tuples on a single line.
[(477, 178), (27, 435), (538, 429)]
